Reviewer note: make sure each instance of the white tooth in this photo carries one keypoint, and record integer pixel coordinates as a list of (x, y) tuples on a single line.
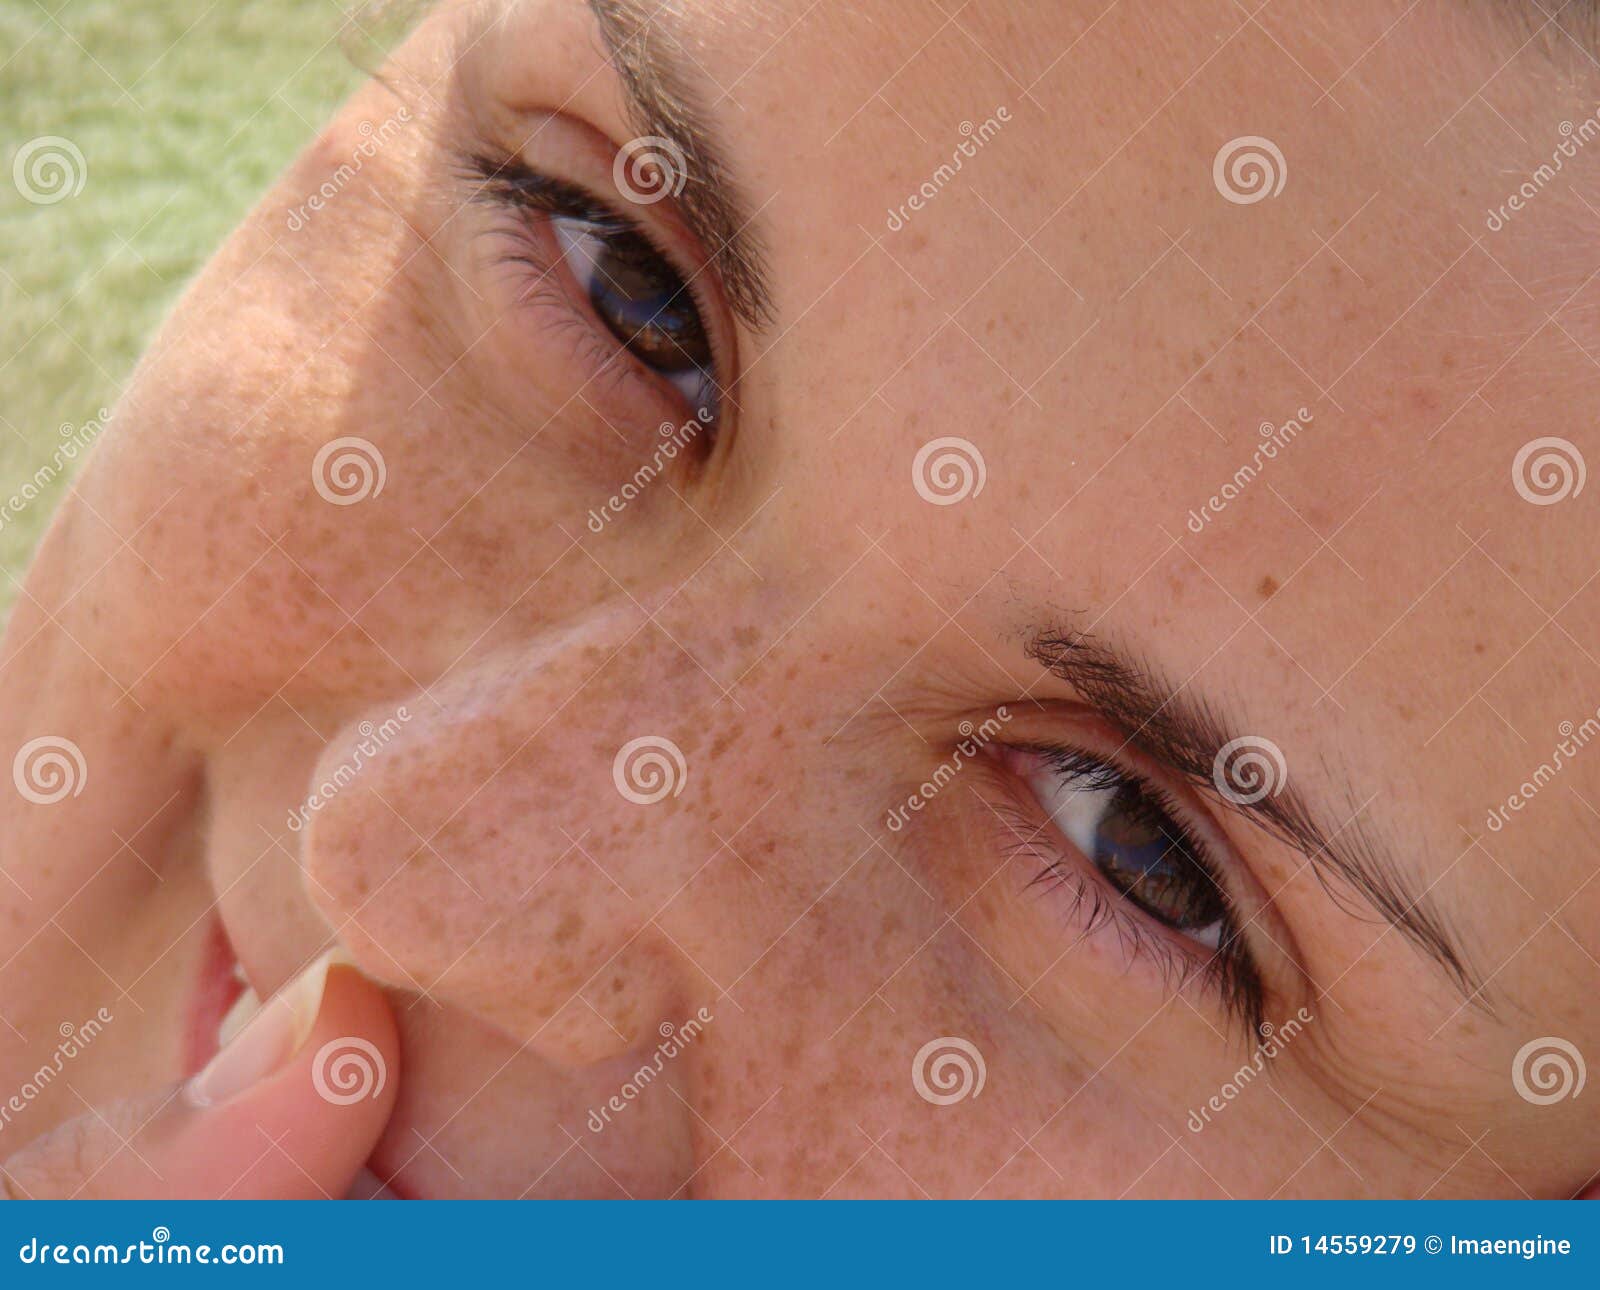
[(244, 1008), (368, 1186), (238, 973)]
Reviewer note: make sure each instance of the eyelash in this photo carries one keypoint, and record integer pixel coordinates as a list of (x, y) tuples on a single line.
[(532, 194), (1229, 973)]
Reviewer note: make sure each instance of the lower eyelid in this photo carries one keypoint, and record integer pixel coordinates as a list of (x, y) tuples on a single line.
[(537, 290), (1025, 835)]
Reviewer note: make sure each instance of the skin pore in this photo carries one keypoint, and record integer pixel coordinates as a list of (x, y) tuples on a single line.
[(811, 630)]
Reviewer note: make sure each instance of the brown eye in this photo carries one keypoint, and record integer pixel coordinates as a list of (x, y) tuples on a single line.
[(1135, 843), (1145, 855), (643, 301)]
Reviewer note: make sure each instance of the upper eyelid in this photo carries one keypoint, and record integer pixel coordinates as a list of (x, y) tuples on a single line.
[(513, 181), (1238, 971), (1246, 897)]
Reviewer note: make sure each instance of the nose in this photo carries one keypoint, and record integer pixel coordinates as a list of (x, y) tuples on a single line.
[(508, 840)]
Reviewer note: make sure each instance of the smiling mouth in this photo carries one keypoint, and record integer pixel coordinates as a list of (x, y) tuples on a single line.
[(221, 1005)]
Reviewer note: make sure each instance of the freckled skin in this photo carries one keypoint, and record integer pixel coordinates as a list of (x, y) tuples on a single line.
[(808, 632)]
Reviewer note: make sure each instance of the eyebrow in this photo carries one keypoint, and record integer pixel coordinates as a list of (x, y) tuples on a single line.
[(663, 101), (1189, 734)]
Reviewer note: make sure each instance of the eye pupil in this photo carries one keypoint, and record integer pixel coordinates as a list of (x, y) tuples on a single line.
[(644, 303), (1142, 852)]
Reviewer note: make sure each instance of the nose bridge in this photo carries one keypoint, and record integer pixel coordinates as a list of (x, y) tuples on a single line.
[(504, 840)]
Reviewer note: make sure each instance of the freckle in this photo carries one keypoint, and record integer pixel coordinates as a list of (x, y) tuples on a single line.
[(1267, 587), (746, 637), (1478, 647), (568, 927), (616, 985)]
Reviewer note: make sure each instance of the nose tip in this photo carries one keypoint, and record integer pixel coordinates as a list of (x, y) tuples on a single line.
[(467, 845)]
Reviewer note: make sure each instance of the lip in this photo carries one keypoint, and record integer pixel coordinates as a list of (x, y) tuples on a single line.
[(217, 987)]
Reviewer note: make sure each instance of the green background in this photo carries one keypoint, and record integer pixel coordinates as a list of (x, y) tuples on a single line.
[(184, 110)]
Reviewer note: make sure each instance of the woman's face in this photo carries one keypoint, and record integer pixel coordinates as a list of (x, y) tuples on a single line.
[(1009, 551)]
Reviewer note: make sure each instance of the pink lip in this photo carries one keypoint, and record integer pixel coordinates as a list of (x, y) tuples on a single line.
[(214, 993)]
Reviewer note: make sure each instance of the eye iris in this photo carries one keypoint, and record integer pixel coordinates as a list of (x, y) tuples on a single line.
[(646, 305), (1143, 855)]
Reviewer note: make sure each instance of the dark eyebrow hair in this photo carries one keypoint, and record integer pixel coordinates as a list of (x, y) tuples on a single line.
[(1188, 734), (662, 101)]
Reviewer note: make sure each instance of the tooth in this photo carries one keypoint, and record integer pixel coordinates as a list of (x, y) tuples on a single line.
[(238, 973), (368, 1186), (244, 1007)]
